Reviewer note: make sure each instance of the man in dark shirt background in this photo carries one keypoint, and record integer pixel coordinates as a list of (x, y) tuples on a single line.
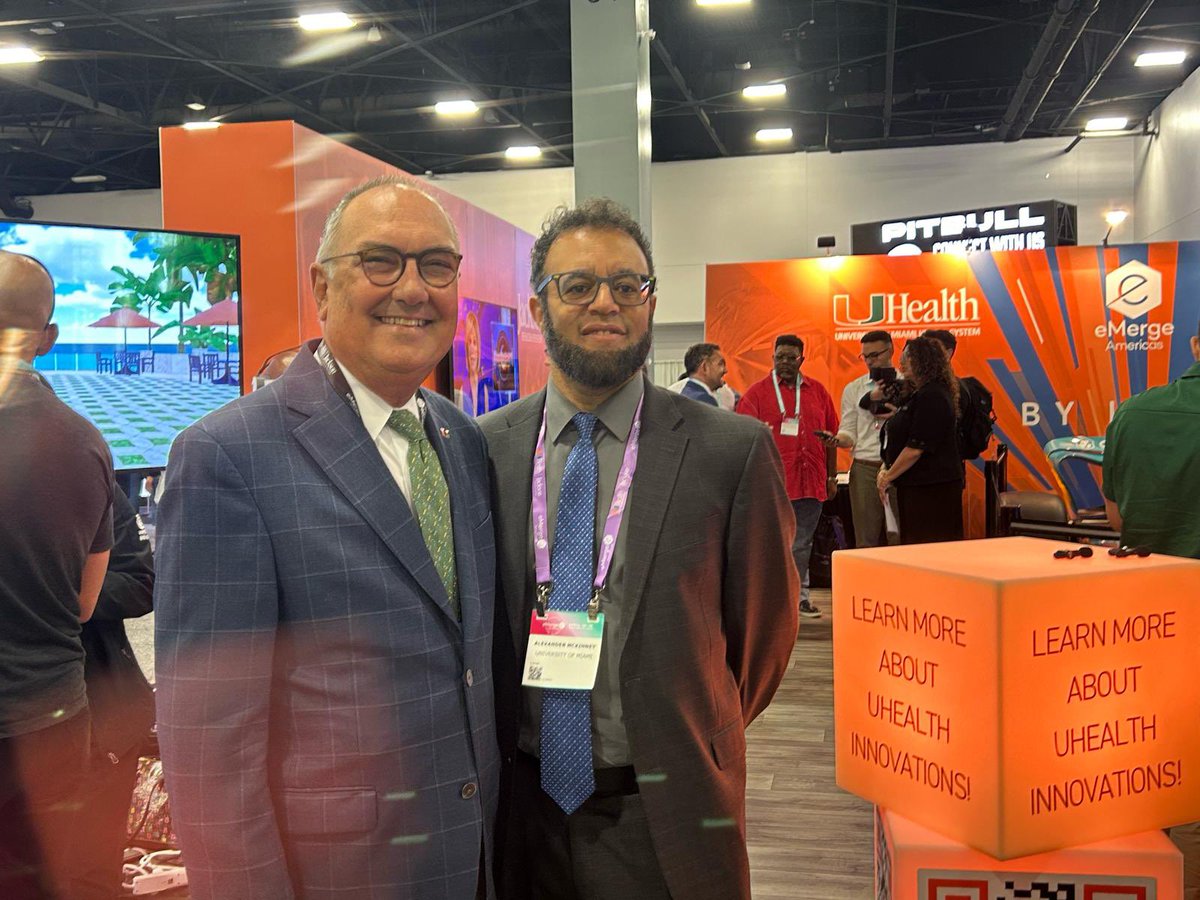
[(55, 535)]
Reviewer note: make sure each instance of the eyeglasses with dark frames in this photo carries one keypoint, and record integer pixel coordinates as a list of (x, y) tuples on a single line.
[(384, 266), (582, 288), (871, 357)]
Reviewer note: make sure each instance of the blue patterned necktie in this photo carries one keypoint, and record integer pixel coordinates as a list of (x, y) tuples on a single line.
[(567, 776)]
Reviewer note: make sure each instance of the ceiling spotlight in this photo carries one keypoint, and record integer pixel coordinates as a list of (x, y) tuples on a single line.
[(201, 126), (773, 135), (15, 55), (374, 35), (1160, 58), (1115, 217), (89, 179), (196, 106), (455, 107), (523, 153), (1107, 123), (330, 20), (744, 65), (763, 91)]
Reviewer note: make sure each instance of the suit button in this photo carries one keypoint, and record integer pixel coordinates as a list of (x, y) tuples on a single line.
[(470, 678), (468, 790)]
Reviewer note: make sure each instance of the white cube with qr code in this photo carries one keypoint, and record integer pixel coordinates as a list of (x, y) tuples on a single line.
[(1015, 701), (914, 863)]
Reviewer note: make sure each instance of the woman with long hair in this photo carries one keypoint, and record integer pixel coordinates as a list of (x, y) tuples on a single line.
[(920, 449)]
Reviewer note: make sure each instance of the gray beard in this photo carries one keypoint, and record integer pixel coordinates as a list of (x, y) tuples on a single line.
[(595, 368)]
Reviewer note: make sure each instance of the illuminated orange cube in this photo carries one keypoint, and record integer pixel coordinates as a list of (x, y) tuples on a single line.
[(1015, 702), (914, 863)]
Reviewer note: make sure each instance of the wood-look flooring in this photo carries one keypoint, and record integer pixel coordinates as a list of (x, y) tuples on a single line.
[(808, 839)]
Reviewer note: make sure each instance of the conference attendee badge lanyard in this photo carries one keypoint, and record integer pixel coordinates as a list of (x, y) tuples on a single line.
[(790, 426), (564, 647)]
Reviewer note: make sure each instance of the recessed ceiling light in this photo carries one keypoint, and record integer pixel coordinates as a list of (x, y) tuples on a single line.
[(89, 179), (14, 55), (744, 65), (762, 91), (523, 153), (1106, 123), (43, 30), (1160, 58), (331, 20), (196, 106), (201, 126), (722, 2), (456, 107), (773, 135), (1115, 217)]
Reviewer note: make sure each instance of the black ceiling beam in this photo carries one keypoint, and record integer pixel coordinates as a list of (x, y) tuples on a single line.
[(664, 57), (1108, 61), (889, 70), (1037, 62), (472, 85), (69, 96), (198, 54)]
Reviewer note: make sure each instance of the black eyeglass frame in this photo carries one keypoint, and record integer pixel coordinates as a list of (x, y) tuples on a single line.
[(404, 258), (646, 288)]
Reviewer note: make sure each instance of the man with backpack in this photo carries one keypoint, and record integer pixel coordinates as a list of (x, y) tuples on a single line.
[(975, 416)]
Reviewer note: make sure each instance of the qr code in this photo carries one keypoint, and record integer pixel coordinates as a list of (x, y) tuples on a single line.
[(535, 672), (943, 884)]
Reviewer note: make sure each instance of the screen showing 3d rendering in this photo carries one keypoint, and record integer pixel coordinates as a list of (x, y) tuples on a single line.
[(149, 329)]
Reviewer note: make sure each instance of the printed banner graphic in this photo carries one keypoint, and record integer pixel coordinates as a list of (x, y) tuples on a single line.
[(944, 884), (1059, 336)]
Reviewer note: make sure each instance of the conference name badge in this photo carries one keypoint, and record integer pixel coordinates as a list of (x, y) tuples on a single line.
[(790, 427), (564, 650)]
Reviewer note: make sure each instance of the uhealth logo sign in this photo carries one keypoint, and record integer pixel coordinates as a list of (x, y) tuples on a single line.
[(949, 307), (1133, 290)]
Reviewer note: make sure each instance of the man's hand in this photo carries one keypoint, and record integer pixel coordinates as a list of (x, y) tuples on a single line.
[(831, 487)]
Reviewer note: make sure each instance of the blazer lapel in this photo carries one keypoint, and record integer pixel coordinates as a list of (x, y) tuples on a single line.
[(334, 436), (512, 450), (659, 456)]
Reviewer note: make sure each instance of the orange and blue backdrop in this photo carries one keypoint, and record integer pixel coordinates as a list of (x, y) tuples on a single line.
[(1059, 336)]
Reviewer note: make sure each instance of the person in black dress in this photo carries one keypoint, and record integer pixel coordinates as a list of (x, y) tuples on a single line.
[(920, 449)]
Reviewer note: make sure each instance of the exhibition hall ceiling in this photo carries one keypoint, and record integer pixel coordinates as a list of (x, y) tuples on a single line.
[(858, 74)]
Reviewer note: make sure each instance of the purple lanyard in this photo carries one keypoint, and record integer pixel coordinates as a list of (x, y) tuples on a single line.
[(612, 524)]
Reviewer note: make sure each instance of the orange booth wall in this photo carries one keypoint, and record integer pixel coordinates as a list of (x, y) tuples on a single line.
[(273, 183)]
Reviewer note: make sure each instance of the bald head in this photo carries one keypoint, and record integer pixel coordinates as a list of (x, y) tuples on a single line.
[(26, 302)]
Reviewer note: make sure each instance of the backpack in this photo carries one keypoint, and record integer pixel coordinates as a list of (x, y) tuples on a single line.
[(975, 419)]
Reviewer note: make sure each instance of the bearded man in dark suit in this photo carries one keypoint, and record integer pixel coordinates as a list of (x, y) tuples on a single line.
[(634, 784)]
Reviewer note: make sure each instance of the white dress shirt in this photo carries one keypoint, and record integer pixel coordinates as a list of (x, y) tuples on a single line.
[(393, 446), (856, 423)]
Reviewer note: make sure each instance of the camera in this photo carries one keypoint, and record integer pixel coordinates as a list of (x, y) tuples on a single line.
[(895, 391)]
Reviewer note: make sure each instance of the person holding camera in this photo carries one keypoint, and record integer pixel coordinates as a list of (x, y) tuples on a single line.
[(859, 430), (920, 451)]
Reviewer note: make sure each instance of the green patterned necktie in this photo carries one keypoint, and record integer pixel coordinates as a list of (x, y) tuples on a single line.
[(430, 500)]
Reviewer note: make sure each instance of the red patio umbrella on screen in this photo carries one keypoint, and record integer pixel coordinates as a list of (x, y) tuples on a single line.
[(124, 318), (223, 313)]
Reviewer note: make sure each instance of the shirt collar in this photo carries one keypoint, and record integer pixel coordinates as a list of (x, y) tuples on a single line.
[(709, 390), (799, 379), (615, 413), (373, 409), (1193, 372)]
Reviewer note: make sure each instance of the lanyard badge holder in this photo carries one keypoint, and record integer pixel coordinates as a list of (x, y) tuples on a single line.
[(564, 647), (788, 426)]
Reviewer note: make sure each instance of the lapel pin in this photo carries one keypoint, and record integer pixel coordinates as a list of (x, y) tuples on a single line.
[(444, 431)]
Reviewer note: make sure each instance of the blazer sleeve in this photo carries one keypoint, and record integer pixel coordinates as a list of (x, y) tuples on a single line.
[(216, 613), (759, 593)]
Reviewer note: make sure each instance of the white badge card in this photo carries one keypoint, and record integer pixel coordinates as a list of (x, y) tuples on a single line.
[(790, 427), (564, 650)]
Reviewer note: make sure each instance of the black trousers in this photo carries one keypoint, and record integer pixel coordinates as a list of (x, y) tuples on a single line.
[(602, 851), (929, 513), (102, 824), (40, 777)]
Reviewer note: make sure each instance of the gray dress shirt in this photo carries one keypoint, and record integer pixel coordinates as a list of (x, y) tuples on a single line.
[(610, 745)]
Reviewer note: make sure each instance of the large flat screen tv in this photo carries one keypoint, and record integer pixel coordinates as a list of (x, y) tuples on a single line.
[(149, 329), (485, 357)]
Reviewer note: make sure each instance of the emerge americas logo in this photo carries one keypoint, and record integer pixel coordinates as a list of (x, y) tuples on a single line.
[(949, 309), (1133, 290)]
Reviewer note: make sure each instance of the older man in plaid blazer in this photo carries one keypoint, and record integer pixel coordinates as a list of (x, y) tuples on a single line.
[(325, 593)]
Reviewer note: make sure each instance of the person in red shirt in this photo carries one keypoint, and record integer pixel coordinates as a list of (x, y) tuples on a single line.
[(794, 408)]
